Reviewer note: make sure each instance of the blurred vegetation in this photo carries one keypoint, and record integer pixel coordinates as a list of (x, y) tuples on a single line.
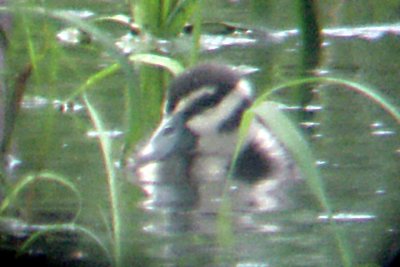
[(39, 65)]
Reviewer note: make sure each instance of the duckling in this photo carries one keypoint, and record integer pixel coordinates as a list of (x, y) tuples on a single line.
[(189, 154)]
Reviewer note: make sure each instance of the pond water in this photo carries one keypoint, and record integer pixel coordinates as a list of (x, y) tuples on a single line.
[(355, 142)]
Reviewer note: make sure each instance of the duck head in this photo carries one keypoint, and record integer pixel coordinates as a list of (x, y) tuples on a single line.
[(202, 114)]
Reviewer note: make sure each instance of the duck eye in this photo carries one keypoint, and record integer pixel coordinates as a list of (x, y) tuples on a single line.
[(168, 131)]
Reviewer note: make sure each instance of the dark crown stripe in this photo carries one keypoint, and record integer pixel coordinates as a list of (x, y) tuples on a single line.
[(219, 76), (205, 102)]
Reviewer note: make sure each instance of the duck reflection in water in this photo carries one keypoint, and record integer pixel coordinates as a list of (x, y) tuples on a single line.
[(183, 167)]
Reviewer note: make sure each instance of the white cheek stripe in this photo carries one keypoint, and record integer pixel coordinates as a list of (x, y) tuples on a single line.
[(210, 120), (244, 88)]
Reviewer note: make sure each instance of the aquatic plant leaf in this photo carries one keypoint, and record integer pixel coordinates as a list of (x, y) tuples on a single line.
[(105, 147), (243, 129), (362, 89), (180, 15), (225, 231), (196, 33), (147, 14), (293, 140), (29, 179), (94, 79), (168, 63), (53, 228)]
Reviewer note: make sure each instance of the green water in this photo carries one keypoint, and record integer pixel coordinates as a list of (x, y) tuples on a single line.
[(355, 142)]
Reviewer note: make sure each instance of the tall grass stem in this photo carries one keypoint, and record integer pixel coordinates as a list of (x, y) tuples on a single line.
[(105, 147)]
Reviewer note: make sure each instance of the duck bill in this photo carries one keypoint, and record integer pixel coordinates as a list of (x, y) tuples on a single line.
[(154, 150), (170, 139)]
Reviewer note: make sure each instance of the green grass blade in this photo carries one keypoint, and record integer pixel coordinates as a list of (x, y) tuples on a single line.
[(243, 130), (105, 147), (168, 63), (179, 16), (148, 15), (293, 140), (225, 232), (369, 92), (46, 229), (196, 34), (94, 79), (29, 179)]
